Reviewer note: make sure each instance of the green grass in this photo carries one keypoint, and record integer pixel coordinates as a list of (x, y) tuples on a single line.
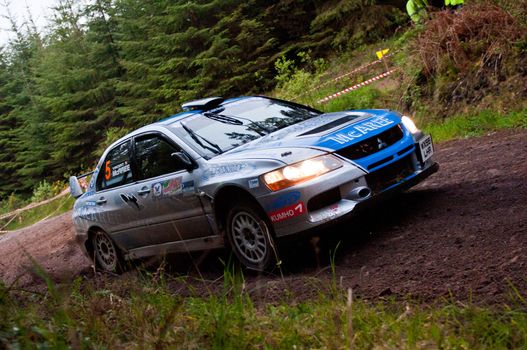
[(475, 125), (29, 217), (141, 310)]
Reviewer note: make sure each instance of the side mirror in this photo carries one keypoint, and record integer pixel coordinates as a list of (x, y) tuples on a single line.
[(75, 187), (184, 160)]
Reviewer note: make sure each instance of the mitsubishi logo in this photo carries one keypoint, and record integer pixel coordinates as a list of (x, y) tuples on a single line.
[(381, 144)]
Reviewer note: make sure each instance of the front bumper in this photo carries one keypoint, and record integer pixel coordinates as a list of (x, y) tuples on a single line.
[(346, 208)]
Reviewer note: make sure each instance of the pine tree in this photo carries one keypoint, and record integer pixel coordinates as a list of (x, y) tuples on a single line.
[(26, 141), (76, 80)]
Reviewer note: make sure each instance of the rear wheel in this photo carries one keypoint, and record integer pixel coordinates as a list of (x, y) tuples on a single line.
[(250, 236), (107, 255)]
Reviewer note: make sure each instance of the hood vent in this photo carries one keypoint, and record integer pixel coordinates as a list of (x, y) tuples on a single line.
[(333, 124)]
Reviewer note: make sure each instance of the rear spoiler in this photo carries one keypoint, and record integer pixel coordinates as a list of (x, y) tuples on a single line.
[(75, 187)]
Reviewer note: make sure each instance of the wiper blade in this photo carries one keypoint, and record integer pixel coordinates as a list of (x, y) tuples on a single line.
[(223, 118), (214, 149)]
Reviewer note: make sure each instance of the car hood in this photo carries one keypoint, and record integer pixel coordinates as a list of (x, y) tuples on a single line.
[(328, 132)]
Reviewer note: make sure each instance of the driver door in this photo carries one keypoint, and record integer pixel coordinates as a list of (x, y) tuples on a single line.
[(171, 210)]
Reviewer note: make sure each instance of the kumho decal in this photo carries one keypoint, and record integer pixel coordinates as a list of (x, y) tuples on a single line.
[(359, 130), (287, 212)]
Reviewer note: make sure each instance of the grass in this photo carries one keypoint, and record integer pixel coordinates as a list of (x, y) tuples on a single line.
[(31, 216), (475, 125), (141, 310)]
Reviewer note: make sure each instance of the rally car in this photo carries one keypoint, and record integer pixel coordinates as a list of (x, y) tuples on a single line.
[(241, 173)]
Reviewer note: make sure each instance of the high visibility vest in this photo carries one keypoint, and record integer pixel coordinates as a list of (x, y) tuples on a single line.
[(454, 2), (414, 9)]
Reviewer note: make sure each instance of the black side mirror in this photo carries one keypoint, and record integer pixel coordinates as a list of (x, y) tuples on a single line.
[(184, 160)]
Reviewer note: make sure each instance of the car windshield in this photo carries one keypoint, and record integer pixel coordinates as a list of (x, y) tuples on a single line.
[(228, 126)]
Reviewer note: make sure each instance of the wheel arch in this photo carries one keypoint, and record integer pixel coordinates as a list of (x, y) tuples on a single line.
[(225, 197), (88, 243)]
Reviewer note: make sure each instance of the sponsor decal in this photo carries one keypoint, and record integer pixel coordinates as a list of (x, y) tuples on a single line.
[(119, 169), (253, 183), (360, 129), (287, 212), (87, 212), (187, 186), (226, 169), (171, 186), (157, 189), (167, 187), (284, 200)]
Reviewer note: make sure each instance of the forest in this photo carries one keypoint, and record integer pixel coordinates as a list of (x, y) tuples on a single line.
[(102, 69)]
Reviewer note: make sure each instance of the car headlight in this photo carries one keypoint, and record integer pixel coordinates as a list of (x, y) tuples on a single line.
[(409, 124), (299, 172)]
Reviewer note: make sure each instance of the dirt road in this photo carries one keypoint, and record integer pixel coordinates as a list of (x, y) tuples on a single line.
[(463, 231)]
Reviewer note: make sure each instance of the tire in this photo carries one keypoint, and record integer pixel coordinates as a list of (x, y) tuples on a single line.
[(107, 256), (250, 236)]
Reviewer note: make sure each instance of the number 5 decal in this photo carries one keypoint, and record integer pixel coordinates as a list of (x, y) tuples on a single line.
[(107, 170)]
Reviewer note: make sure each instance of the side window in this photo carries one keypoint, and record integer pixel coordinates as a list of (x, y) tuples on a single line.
[(116, 169), (153, 156)]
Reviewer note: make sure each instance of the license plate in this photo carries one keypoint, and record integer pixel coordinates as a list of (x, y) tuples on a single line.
[(426, 148)]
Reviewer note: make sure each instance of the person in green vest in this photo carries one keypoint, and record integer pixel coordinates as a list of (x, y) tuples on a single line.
[(417, 9), (454, 4)]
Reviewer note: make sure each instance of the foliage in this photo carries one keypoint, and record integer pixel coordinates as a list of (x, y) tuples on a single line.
[(12, 202), (296, 78), (109, 66), (34, 215), (365, 98), (143, 310), (474, 56), (476, 34), (112, 65), (42, 191), (474, 125)]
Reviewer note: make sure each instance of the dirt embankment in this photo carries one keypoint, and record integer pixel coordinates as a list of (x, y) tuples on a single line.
[(463, 231), (50, 244)]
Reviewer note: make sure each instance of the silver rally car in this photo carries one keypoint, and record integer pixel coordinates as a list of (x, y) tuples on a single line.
[(242, 172)]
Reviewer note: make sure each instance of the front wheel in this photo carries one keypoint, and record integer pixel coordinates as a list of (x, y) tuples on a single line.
[(107, 255), (250, 237)]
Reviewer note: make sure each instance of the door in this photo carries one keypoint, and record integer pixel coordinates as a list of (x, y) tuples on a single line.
[(171, 209), (116, 207)]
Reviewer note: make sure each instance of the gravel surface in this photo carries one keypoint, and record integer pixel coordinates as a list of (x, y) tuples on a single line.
[(462, 232)]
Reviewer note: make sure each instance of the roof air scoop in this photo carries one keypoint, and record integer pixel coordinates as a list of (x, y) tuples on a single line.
[(203, 104)]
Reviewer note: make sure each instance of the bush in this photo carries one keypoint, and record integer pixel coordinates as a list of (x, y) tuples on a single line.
[(466, 61), (13, 202), (42, 191), (474, 35)]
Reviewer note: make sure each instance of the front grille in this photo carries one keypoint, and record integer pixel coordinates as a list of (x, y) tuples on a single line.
[(372, 144), (390, 174), (324, 199)]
